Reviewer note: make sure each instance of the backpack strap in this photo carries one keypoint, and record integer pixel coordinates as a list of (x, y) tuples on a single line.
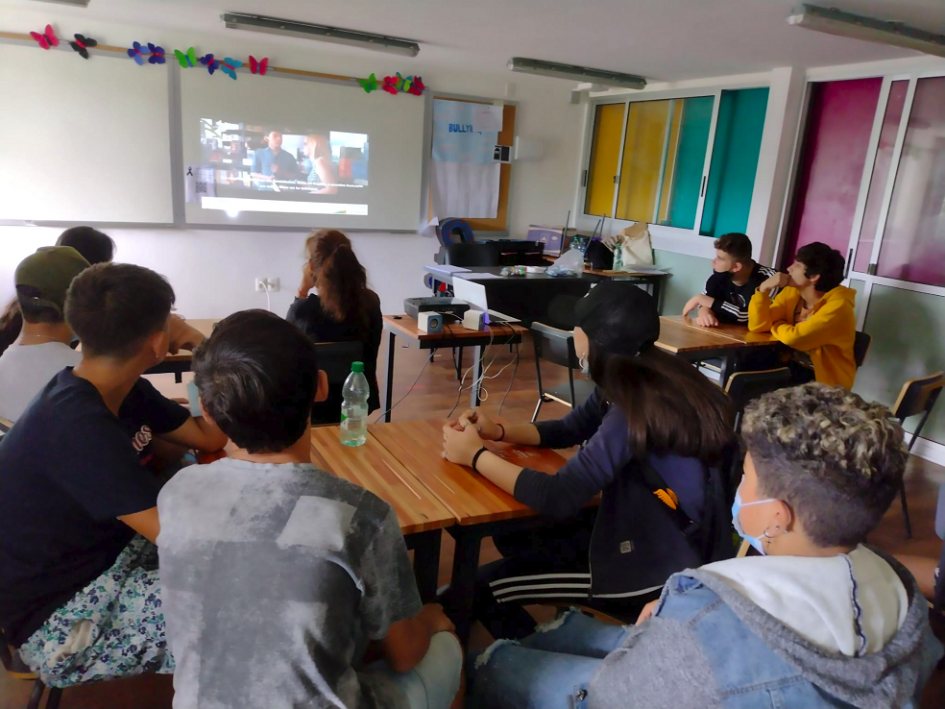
[(657, 485)]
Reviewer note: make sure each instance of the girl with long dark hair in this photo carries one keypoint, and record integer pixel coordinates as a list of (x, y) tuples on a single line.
[(343, 310), (657, 470)]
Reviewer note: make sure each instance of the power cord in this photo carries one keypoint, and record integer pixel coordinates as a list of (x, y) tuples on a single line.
[(265, 285)]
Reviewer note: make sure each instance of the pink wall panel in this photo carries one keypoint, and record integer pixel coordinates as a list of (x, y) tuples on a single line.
[(839, 123)]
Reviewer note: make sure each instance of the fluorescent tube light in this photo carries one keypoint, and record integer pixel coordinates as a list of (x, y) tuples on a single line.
[(323, 33), (580, 73), (846, 24)]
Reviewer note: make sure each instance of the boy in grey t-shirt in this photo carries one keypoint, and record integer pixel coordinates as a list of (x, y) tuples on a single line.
[(276, 574)]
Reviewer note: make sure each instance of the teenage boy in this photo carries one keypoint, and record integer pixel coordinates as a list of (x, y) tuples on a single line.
[(79, 591), (42, 349), (813, 315), (734, 280), (276, 573)]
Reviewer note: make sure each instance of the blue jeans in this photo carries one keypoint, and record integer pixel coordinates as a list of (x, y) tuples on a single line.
[(549, 669), (434, 682)]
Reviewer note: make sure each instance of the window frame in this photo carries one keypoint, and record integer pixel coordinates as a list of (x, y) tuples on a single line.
[(664, 238), (911, 74)]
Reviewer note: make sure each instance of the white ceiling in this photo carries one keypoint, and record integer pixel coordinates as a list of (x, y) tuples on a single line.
[(663, 40)]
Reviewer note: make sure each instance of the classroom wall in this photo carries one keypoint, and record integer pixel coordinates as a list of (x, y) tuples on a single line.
[(908, 329), (688, 275), (213, 271)]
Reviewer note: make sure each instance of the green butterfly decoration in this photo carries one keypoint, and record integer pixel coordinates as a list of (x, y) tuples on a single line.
[(188, 59), (369, 84)]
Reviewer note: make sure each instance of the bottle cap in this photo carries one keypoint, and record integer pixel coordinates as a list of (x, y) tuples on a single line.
[(357, 367)]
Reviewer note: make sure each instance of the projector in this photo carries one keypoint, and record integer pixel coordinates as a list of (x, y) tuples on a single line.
[(452, 308)]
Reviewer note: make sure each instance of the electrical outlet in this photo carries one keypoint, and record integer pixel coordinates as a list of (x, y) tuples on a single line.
[(262, 283), (260, 288)]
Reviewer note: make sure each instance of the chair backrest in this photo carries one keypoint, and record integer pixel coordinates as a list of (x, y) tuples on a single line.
[(472, 255), (918, 395), (554, 345), (861, 347), (744, 387), (335, 358)]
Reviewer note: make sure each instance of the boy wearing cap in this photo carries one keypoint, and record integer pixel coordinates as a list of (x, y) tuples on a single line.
[(79, 590), (42, 349)]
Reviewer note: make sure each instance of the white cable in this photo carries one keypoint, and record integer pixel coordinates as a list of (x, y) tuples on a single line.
[(265, 284)]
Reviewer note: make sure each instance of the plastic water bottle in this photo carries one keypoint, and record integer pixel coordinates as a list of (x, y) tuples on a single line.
[(618, 257), (354, 407)]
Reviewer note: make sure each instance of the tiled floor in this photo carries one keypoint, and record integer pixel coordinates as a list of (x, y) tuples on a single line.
[(432, 396)]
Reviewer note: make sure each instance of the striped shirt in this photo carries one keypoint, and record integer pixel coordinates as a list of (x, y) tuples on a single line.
[(731, 300)]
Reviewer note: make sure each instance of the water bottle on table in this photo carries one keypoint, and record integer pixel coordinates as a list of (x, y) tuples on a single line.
[(354, 407)]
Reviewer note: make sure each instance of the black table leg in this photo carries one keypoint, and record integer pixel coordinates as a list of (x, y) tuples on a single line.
[(479, 354), (426, 561), (462, 593), (389, 389)]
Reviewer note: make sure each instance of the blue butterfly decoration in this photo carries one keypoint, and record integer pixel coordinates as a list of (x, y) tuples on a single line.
[(230, 66), (157, 54), (136, 53), (211, 63)]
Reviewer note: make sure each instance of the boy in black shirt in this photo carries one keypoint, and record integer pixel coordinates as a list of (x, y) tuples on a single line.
[(79, 591), (731, 286)]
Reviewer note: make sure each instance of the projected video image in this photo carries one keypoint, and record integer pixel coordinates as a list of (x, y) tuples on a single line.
[(275, 168)]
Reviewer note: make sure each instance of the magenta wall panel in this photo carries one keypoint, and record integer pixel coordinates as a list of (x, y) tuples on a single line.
[(839, 123)]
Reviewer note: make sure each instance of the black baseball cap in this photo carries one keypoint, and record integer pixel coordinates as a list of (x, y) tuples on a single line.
[(619, 317)]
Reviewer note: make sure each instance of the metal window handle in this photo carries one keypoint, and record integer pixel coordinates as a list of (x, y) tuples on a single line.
[(702, 189), (846, 273), (584, 179)]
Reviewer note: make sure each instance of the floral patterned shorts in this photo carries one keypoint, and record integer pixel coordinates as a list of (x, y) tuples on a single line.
[(112, 628)]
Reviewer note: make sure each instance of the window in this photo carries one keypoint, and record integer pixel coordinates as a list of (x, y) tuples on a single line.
[(871, 180), (734, 161), (913, 245), (647, 160)]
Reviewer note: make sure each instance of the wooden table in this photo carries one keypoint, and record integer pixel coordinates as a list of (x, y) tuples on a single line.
[(179, 363), (421, 515), (481, 508), (453, 335), (681, 336)]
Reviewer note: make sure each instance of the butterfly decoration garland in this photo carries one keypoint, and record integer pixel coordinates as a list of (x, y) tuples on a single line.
[(156, 54), (136, 52), (82, 44), (47, 38), (229, 67), (260, 66), (212, 64), (187, 59), (398, 84)]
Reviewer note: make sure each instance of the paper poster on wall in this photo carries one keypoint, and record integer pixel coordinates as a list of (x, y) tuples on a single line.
[(487, 118), (464, 180), (198, 183)]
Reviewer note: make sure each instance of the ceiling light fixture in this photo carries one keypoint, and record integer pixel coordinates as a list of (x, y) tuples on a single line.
[(580, 73), (73, 3), (846, 24), (323, 33)]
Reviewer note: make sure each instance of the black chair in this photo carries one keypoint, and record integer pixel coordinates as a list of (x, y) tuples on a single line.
[(557, 346), (744, 387), (861, 348), (17, 669), (918, 396), (335, 358)]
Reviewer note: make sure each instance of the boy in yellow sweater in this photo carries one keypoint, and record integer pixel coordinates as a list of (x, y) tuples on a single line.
[(813, 314)]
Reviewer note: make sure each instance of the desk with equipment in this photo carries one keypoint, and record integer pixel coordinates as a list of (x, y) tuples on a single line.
[(529, 297), (451, 335)]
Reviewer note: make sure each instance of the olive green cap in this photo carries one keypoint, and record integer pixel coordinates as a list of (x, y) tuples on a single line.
[(50, 271)]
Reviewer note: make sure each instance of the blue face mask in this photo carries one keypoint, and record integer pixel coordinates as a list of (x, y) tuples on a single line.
[(736, 507)]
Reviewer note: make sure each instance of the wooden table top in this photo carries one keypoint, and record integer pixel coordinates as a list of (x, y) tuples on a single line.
[(740, 333), (374, 468), (406, 326), (470, 497)]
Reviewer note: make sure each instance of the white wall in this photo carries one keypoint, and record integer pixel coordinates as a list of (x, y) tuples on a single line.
[(213, 271)]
